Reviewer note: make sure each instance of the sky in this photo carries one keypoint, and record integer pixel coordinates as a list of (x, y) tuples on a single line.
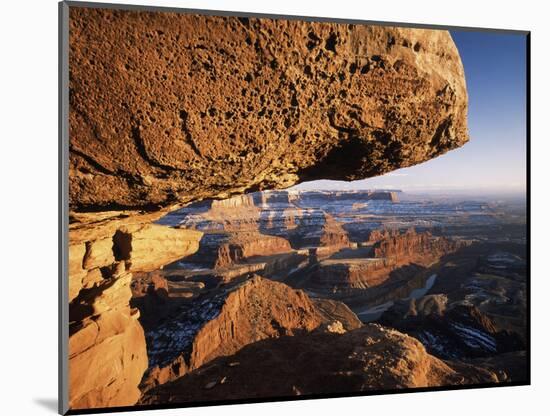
[(495, 157)]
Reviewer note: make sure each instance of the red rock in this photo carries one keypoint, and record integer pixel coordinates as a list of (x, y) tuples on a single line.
[(150, 124), (368, 358)]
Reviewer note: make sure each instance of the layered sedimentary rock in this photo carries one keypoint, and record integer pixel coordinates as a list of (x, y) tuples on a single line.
[(191, 107), (412, 244), (386, 251), (334, 311), (222, 324), (455, 331), (294, 216), (245, 245), (368, 358), (107, 355), (104, 330), (149, 247), (352, 273)]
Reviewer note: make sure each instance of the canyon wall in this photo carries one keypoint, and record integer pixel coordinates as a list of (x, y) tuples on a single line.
[(107, 354), (410, 244), (168, 108)]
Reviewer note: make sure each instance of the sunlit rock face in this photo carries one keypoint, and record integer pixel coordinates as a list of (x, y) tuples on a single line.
[(105, 334), (222, 324), (170, 108)]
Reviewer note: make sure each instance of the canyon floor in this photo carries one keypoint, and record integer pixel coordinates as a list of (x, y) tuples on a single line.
[(319, 292)]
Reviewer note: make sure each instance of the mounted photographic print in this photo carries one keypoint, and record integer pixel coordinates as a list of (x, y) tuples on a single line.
[(261, 208)]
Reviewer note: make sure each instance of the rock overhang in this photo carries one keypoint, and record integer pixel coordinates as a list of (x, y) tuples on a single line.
[(222, 105)]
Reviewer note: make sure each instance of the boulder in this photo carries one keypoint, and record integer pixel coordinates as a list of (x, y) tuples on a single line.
[(171, 108)]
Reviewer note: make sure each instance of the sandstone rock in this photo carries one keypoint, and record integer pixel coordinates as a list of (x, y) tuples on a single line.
[(390, 252), (224, 323), (149, 247), (107, 351), (345, 274), (258, 309), (241, 246), (107, 355), (336, 327), (92, 278), (161, 375), (368, 358), (191, 107), (76, 271), (334, 311), (394, 244), (99, 253), (456, 331)]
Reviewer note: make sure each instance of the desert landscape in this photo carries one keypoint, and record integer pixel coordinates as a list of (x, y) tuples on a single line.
[(199, 272)]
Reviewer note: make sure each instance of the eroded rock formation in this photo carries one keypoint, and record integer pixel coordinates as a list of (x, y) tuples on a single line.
[(226, 249), (107, 354), (169, 108), (368, 358), (388, 250), (222, 324), (411, 244)]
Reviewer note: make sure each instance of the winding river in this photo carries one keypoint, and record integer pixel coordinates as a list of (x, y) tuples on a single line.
[(373, 313)]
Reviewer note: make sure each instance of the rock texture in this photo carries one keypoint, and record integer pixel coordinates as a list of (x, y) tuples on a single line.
[(459, 331), (107, 352), (368, 358), (409, 244), (169, 108), (107, 355), (219, 250), (149, 247), (387, 251), (226, 322), (166, 109)]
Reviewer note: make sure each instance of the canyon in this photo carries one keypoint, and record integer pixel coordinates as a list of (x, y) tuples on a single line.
[(193, 275)]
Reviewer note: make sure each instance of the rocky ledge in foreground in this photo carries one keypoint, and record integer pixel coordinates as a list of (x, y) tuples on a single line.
[(192, 107), (368, 358), (104, 332), (235, 316)]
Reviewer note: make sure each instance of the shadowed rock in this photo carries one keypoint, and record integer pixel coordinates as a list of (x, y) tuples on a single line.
[(367, 358)]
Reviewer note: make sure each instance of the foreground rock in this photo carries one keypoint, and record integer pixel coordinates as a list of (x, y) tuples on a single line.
[(107, 354), (192, 107), (104, 330), (368, 358), (222, 324)]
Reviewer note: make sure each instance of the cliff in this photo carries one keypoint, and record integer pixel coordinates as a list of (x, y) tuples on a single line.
[(403, 245)]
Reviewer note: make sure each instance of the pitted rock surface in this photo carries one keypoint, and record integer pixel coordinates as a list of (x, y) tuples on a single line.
[(170, 108)]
